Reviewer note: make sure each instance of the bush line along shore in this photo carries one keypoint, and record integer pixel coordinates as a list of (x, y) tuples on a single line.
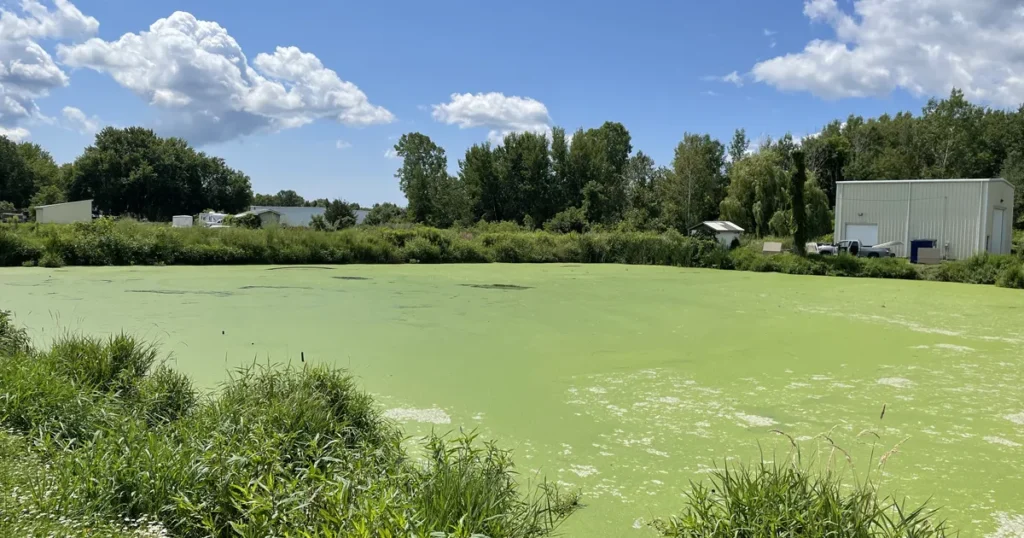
[(109, 242)]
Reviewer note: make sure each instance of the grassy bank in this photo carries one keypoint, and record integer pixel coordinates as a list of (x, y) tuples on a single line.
[(98, 438), (108, 242)]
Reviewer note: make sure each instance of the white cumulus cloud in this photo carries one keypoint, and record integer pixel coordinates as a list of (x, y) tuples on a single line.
[(16, 134), (79, 121), (925, 48), (341, 144), (197, 72), (501, 114), (390, 153), (27, 71)]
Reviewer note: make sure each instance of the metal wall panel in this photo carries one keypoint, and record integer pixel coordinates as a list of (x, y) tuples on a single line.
[(1000, 196), (950, 212)]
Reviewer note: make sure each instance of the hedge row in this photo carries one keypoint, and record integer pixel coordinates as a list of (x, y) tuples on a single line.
[(108, 242)]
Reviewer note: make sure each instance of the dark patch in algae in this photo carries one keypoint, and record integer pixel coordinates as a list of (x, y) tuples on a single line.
[(300, 267), (275, 288), (183, 292), (507, 287), (352, 278)]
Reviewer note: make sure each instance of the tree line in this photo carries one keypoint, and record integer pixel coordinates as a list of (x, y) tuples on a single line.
[(593, 177), (560, 181)]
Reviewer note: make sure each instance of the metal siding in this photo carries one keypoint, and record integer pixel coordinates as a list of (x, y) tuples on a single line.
[(884, 204), (1000, 196), (65, 213), (293, 216), (945, 211), (948, 213)]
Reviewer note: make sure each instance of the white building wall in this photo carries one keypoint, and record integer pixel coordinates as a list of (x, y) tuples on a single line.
[(1000, 196), (956, 213), (293, 216), (66, 213), (726, 238)]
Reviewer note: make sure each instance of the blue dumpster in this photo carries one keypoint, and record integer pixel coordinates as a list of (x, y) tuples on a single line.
[(917, 244)]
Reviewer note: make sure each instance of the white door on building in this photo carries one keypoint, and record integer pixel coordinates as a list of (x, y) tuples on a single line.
[(998, 231), (867, 234)]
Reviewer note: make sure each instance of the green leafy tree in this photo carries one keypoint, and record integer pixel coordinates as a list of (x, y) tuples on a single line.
[(756, 193), (796, 196), (560, 170), (284, 198), (597, 162), (818, 210), (738, 146), (16, 178), (386, 213), (483, 189), (522, 170), (1013, 171), (134, 172), (697, 186), (340, 214), (827, 155), (642, 183), (423, 178)]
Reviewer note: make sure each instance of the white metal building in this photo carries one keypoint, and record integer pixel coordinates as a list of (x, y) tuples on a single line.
[(181, 221), (964, 216), (722, 230), (66, 213), (292, 216)]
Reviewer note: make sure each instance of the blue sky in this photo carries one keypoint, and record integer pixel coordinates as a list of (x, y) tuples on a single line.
[(660, 68)]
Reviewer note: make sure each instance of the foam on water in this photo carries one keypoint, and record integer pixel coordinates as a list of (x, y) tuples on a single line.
[(1000, 441), (1009, 526), (898, 382), (428, 416)]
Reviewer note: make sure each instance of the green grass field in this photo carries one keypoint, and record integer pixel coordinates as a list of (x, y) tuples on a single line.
[(623, 381)]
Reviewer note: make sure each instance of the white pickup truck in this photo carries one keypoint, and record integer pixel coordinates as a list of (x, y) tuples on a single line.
[(854, 248)]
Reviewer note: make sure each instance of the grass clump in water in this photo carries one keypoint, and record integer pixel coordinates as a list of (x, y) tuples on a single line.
[(111, 436), (772, 500)]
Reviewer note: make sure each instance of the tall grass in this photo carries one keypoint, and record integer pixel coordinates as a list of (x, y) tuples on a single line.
[(126, 242), (117, 441), (771, 500)]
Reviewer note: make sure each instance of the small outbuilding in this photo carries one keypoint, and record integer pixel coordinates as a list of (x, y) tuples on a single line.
[(722, 230), (961, 217), (182, 221), (268, 217), (292, 216), (66, 213)]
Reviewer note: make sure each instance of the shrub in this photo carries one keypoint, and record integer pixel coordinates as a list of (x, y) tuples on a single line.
[(980, 269), (247, 220), (573, 219), (114, 365), (318, 223), (467, 489), (166, 395), (13, 339), (771, 500), (51, 260), (1011, 277)]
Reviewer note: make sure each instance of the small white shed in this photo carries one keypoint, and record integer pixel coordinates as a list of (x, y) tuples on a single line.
[(722, 230), (182, 221), (66, 213)]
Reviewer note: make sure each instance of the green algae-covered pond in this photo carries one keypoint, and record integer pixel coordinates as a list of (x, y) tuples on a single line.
[(625, 382)]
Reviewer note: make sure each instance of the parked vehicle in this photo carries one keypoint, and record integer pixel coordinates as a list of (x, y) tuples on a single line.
[(855, 248)]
